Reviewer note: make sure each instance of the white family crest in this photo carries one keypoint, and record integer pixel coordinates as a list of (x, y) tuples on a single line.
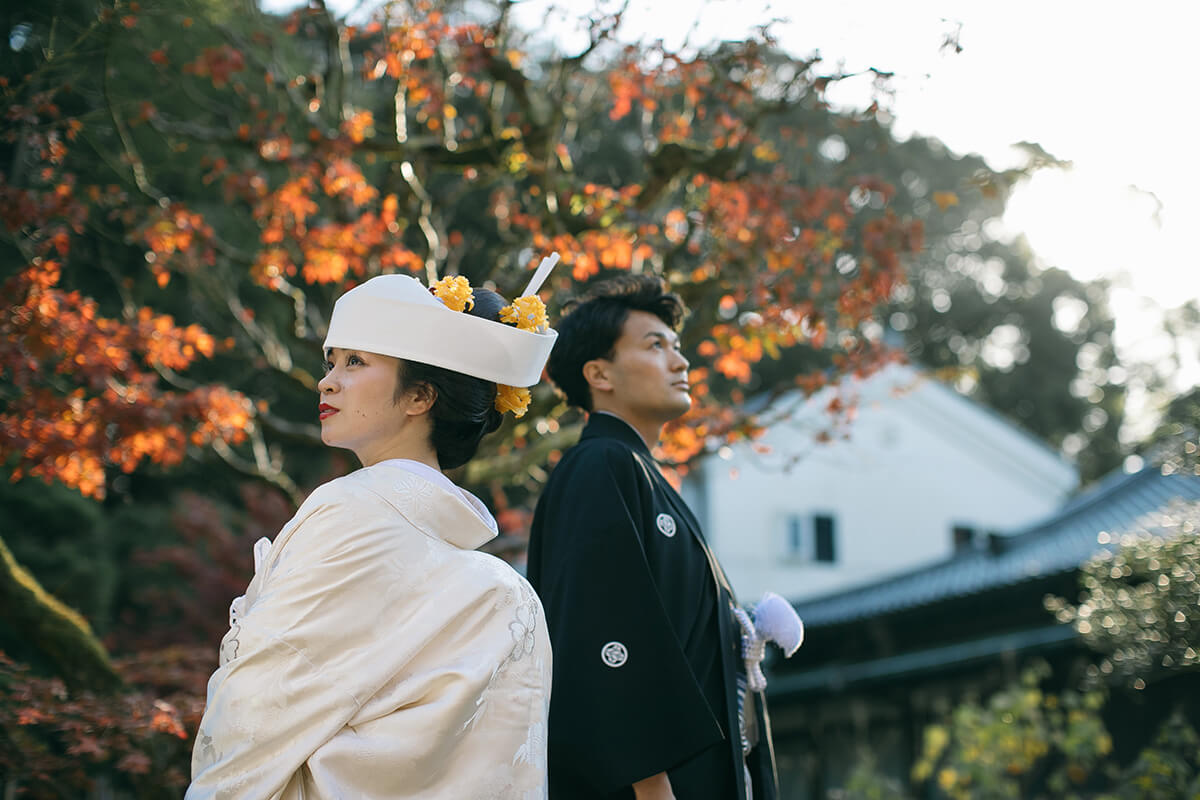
[(614, 654), (666, 525)]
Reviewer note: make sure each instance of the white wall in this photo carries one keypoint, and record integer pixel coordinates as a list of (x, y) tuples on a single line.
[(916, 465)]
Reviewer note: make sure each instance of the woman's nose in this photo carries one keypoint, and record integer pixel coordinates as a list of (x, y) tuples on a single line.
[(326, 384)]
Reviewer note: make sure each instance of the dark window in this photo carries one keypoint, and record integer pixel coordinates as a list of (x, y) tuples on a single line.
[(823, 529), (964, 537), (811, 538)]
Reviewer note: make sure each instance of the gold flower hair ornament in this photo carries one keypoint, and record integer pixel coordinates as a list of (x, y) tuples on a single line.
[(527, 313), (455, 292), (512, 398)]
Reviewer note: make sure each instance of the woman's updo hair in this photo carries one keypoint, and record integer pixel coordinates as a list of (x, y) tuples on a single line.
[(464, 409)]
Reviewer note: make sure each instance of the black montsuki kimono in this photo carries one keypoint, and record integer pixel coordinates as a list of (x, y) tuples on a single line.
[(646, 649)]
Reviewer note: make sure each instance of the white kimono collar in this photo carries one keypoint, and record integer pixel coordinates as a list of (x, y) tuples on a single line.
[(444, 516)]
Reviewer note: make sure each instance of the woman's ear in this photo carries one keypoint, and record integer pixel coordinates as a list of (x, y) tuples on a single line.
[(419, 399)]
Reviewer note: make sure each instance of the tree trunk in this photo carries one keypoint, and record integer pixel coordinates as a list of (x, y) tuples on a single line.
[(59, 635)]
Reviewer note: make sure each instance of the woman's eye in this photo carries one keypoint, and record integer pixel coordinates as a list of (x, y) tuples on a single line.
[(327, 366), (353, 360)]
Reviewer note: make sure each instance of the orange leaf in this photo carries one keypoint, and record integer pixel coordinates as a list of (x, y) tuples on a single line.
[(945, 199)]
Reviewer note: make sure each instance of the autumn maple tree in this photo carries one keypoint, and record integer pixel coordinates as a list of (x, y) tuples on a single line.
[(186, 188), (246, 191)]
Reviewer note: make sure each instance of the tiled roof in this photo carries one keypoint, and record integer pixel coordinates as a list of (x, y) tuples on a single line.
[(1057, 544)]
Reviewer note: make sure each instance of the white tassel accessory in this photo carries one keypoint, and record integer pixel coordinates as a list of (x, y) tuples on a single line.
[(774, 621)]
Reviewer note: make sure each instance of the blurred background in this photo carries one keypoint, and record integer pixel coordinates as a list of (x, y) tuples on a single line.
[(945, 339)]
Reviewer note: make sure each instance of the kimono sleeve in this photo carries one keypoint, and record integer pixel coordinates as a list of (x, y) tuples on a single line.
[(337, 617), (626, 704)]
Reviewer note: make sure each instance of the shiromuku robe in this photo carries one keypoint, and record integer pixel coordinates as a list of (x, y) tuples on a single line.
[(646, 649), (375, 654)]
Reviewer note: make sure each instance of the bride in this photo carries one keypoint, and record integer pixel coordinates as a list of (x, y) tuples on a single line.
[(375, 653)]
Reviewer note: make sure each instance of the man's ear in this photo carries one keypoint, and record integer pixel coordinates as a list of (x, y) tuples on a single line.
[(595, 372)]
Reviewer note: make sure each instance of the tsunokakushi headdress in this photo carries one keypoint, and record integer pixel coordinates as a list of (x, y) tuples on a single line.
[(397, 316)]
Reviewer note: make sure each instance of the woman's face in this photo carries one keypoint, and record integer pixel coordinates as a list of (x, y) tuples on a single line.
[(359, 408)]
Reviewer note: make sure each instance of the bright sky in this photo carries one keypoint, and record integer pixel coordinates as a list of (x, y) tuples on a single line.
[(1109, 87)]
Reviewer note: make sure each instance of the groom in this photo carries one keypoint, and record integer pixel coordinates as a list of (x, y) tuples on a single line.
[(649, 695)]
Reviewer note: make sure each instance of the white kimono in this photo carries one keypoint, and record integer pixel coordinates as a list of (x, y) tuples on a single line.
[(375, 654)]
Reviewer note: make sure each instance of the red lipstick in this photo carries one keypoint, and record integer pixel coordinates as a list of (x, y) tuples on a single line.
[(325, 411)]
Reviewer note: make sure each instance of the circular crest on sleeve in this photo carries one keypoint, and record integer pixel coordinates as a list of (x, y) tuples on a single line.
[(614, 654)]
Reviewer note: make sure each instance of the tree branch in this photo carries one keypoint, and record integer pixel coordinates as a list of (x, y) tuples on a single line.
[(264, 466), (136, 165), (296, 100), (295, 431), (437, 250)]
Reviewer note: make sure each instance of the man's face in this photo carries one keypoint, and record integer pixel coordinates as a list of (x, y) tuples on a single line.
[(646, 377)]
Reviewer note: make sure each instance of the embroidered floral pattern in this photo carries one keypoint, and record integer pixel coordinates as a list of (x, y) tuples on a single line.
[(230, 643), (206, 752), (524, 630), (533, 751), (481, 702), (229, 646)]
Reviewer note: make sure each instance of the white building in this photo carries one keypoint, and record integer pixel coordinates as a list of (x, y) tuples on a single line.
[(923, 472)]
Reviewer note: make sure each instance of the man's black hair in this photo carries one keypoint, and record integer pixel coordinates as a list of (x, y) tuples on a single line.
[(590, 326)]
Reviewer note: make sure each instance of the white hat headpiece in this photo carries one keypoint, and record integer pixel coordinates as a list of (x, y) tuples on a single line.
[(397, 316)]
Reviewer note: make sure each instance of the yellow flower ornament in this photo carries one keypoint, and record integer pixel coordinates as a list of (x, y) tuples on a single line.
[(512, 398), (527, 313), (455, 292)]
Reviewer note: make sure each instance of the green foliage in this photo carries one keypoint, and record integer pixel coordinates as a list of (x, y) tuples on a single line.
[(866, 782), (1138, 607), (1024, 743), (1175, 445), (1021, 743), (1167, 769), (1138, 611)]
